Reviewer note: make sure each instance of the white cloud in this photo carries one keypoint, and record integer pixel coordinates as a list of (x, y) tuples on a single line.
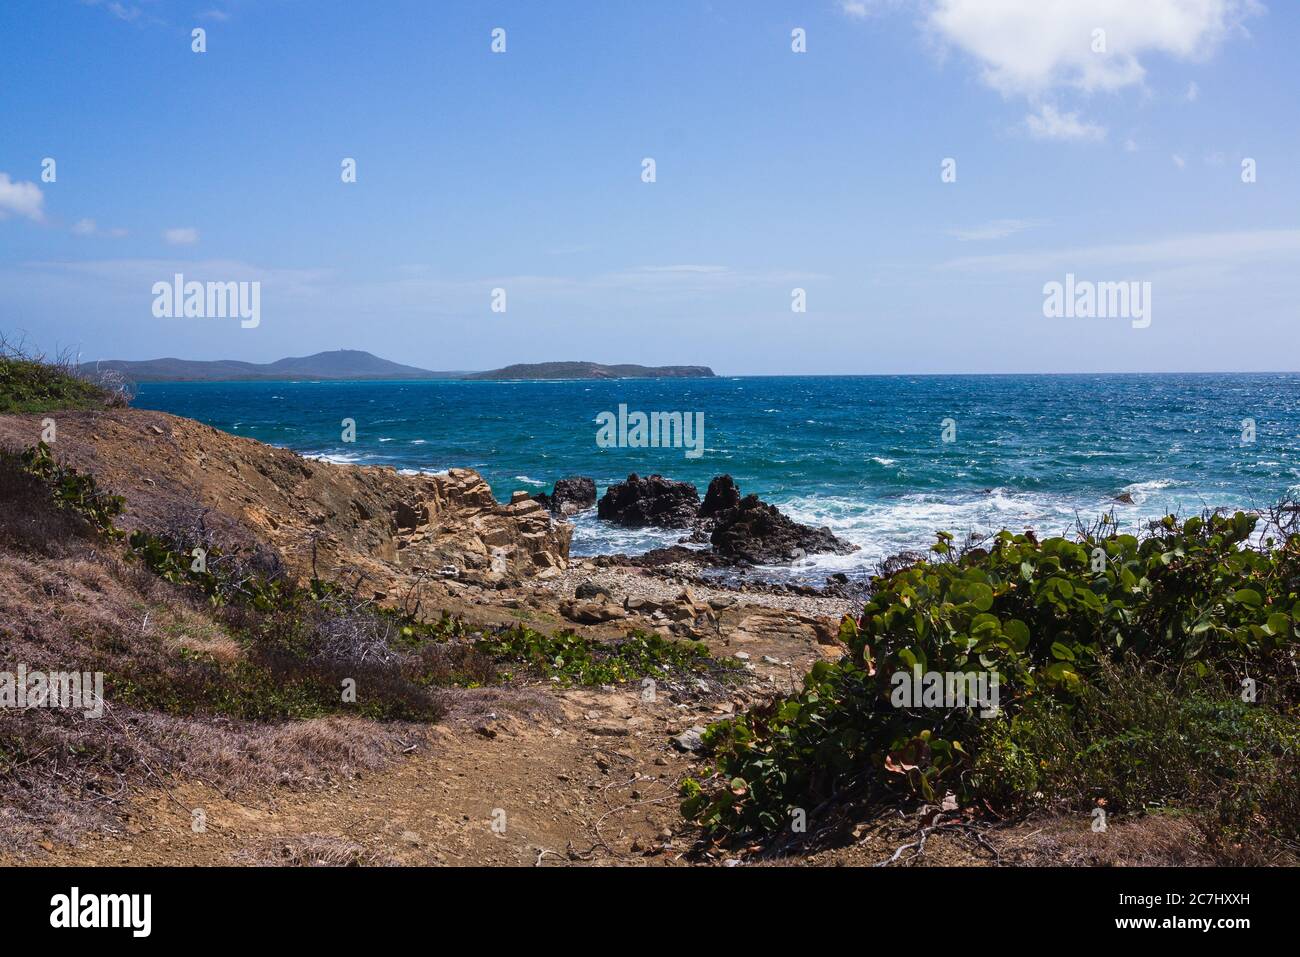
[(1179, 161), (996, 229), (1049, 123), (1030, 47), (21, 199), (1193, 92), (181, 236), (1039, 49)]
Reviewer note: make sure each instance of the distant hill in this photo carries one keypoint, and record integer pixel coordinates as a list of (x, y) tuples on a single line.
[(354, 364), (340, 364), (592, 370)]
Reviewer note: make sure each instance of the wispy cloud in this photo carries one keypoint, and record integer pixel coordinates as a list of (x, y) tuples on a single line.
[(994, 229), (1244, 247), (1048, 123), (88, 227), (128, 13), (181, 236), (137, 274)]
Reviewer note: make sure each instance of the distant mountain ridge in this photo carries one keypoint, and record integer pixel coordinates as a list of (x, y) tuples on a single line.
[(339, 364), (592, 370), (356, 364)]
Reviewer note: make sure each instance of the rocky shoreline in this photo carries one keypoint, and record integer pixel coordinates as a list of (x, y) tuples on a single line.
[(444, 542)]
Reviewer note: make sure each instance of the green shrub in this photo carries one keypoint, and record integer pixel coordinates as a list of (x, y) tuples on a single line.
[(1134, 742), (73, 491), (1192, 598), (586, 661), (35, 385)]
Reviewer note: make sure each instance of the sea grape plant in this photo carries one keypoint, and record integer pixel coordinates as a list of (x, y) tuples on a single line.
[(1194, 597)]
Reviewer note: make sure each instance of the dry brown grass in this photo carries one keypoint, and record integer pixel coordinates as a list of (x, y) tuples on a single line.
[(1190, 839), (69, 602), (313, 850)]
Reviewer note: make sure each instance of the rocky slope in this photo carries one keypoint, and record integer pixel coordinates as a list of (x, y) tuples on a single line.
[(347, 521)]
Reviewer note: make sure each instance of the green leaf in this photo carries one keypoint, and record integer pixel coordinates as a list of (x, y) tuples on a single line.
[(1062, 652), (1018, 632), (1279, 624), (1248, 596)]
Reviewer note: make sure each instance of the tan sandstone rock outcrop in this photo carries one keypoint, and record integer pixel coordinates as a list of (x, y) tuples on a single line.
[(389, 529)]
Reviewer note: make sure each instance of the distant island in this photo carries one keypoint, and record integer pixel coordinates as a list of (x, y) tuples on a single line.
[(339, 364), (592, 370), (355, 364)]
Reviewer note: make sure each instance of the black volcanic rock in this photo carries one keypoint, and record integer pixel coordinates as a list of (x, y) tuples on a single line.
[(756, 532), (655, 500), (721, 496), (570, 496)]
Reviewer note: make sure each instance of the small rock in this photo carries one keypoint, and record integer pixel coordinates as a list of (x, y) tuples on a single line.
[(689, 740), (591, 591)]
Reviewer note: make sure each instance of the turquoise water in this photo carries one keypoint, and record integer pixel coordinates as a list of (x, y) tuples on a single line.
[(863, 455)]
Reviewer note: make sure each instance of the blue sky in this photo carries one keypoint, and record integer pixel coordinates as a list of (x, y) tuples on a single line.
[(774, 170)]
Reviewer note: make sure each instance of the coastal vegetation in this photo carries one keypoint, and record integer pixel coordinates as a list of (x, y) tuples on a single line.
[(33, 382), (1136, 673)]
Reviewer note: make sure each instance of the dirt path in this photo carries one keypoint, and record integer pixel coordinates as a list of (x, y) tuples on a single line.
[(596, 784)]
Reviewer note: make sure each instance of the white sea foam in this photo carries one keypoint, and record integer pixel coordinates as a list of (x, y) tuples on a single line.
[(337, 458), (1144, 492)]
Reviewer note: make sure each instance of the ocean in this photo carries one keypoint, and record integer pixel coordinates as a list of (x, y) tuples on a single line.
[(865, 456)]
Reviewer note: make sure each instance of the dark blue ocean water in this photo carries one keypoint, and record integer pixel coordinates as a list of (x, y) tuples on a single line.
[(863, 455)]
